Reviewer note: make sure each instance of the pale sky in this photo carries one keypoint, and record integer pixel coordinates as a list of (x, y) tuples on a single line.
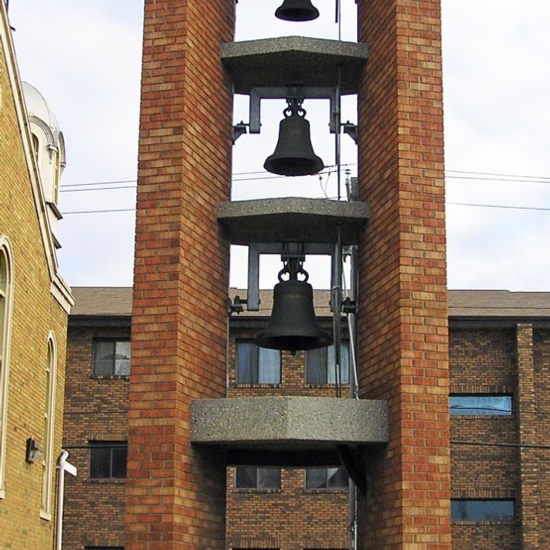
[(84, 56)]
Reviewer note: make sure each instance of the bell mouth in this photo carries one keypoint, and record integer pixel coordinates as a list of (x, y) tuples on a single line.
[(297, 14), (294, 343), (297, 10), (291, 166)]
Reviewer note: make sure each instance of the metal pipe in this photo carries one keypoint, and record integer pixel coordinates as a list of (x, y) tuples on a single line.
[(60, 497)]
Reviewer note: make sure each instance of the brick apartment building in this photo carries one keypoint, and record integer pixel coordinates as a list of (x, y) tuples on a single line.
[(500, 371)]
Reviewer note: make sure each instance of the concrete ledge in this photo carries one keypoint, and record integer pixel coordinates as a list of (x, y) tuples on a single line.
[(289, 423), (293, 218), (313, 62)]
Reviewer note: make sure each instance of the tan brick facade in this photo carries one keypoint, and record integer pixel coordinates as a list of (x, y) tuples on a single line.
[(27, 514)]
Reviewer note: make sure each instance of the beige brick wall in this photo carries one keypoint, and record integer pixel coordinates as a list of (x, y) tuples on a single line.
[(35, 314)]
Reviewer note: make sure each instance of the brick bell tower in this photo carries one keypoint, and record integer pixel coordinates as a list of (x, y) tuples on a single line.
[(183, 431)]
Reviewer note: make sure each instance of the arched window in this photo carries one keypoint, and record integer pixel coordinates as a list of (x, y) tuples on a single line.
[(6, 298), (35, 144), (49, 425)]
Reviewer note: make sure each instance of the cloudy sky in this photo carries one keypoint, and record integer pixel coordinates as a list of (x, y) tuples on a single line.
[(84, 56)]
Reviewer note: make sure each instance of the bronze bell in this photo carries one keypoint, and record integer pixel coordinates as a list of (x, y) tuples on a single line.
[(293, 325), (294, 155), (297, 10)]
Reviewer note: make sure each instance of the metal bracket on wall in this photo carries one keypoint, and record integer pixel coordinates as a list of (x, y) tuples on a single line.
[(238, 130), (284, 92), (351, 130), (254, 252), (354, 468)]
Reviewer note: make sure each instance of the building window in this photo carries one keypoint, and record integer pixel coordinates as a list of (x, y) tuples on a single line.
[(321, 365), (257, 365), (250, 477), (326, 478), (461, 404), (49, 424), (482, 510), (108, 459), (111, 357), (6, 299)]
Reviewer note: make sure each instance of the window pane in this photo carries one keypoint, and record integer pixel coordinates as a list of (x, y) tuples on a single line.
[(270, 366), (119, 460), (104, 358), (344, 366), (122, 358), (269, 478), (100, 461), (337, 478), (245, 477), (482, 510), (316, 478), (316, 366), (247, 363), (108, 459), (481, 404)]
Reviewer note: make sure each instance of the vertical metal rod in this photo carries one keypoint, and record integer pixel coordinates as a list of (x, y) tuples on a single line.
[(338, 15), (336, 300), (337, 127)]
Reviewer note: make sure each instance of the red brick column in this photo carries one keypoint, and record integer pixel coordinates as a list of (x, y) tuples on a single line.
[(403, 335), (176, 495), (529, 457)]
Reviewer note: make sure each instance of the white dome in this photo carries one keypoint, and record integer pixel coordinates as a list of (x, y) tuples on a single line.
[(49, 149), (38, 107)]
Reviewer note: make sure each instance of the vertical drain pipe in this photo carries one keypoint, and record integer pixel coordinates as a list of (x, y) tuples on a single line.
[(62, 467)]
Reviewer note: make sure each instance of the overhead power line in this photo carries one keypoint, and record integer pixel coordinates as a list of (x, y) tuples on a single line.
[(474, 205), (450, 174)]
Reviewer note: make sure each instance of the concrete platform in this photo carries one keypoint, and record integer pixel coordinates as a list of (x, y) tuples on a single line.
[(293, 218), (272, 429), (311, 62)]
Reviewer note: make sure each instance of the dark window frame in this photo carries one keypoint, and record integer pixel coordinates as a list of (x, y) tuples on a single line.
[(251, 373), (98, 369), (108, 460)]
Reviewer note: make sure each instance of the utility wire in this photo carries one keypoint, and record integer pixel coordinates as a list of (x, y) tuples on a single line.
[(451, 174), (474, 205)]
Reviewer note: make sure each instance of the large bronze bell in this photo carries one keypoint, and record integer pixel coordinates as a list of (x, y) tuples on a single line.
[(294, 155), (297, 10), (293, 325)]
